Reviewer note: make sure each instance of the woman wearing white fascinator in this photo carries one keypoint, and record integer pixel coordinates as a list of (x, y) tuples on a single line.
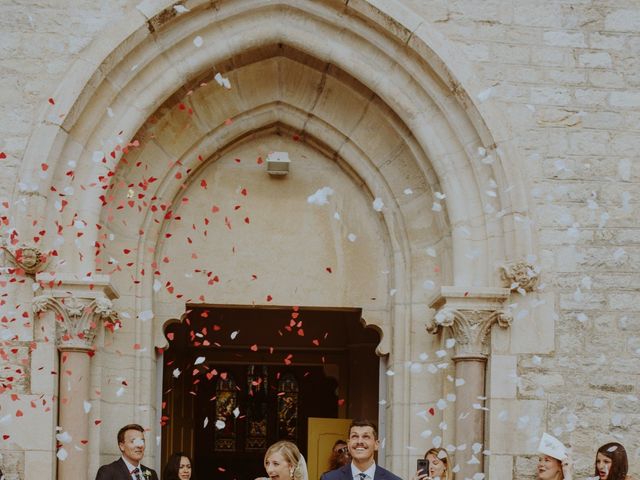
[(554, 462), (283, 461)]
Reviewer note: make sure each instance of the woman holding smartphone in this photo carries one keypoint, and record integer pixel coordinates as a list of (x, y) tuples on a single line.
[(437, 466)]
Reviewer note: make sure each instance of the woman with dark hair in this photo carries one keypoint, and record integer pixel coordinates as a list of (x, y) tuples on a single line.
[(178, 467), (611, 462)]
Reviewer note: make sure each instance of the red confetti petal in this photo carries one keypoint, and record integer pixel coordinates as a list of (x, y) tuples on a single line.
[(52, 101), (3, 155)]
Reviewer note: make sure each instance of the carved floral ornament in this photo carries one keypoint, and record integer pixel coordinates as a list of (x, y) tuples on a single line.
[(77, 319), (470, 328), (521, 276), (28, 258)]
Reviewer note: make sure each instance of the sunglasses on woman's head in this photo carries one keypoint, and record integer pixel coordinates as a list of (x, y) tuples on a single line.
[(343, 450)]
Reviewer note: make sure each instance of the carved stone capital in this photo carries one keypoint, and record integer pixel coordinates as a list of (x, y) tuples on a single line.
[(470, 328), (469, 314), (28, 258), (77, 319), (521, 276)]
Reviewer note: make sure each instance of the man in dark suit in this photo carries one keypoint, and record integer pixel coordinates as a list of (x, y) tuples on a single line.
[(363, 444), (128, 467)]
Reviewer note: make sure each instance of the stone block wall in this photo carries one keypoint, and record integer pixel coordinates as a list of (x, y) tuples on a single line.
[(566, 76)]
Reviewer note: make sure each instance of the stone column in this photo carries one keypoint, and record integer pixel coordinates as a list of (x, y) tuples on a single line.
[(469, 315), (80, 308)]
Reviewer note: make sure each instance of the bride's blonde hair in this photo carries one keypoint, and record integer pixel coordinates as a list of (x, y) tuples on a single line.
[(291, 454)]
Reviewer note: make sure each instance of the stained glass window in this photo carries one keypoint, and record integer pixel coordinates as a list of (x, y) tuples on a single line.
[(257, 407), (288, 407), (226, 403)]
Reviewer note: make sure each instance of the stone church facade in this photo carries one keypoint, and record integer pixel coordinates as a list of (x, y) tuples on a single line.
[(463, 172)]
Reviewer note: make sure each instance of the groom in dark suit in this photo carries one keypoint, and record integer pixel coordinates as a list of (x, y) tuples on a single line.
[(363, 443), (128, 467)]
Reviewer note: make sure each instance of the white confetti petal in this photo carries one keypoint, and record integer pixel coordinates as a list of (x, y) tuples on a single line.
[(62, 454), (234, 334), (220, 424), (320, 197), (198, 41), (64, 437), (176, 373), (378, 204), (236, 412), (408, 191), (484, 95), (199, 360), (146, 315), (181, 9), (87, 406), (352, 237), (222, 81)]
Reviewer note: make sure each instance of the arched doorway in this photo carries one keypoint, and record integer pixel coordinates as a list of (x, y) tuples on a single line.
[(236, 379), (365, 96)]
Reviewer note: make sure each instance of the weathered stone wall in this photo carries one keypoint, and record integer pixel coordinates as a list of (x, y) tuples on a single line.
[(567, 78)]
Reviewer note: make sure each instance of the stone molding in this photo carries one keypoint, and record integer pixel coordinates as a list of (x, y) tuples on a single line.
[(520, 276), (470, 314), (77, 319)]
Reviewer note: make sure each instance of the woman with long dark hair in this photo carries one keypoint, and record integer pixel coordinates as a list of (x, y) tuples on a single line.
[(178, 467), (611, 462)]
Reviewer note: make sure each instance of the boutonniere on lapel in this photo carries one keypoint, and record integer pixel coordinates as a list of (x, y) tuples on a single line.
[(146, 474)]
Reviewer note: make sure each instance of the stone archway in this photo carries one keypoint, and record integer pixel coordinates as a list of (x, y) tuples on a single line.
[(433, 133)]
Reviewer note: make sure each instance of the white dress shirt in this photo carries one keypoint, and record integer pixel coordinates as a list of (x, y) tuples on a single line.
[(370, 472)]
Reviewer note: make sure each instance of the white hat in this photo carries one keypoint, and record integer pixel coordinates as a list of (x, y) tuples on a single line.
[(551, 446)]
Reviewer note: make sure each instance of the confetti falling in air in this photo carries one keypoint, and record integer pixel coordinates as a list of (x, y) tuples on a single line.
[(321, 197), (222, 81)]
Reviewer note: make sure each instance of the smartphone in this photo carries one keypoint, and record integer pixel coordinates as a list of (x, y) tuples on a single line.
[(423, 466)]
